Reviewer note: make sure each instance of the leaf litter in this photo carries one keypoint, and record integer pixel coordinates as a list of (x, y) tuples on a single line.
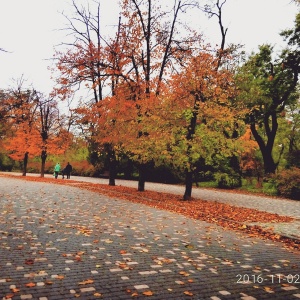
[(225, 215)]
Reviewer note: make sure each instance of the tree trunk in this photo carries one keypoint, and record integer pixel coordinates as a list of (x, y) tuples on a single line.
[(25, 162), (269, 163), (266, 147), (188, 185), (112, 163), (43, 157), (191, 131), (142, 178), (128, 170), (112, 172)]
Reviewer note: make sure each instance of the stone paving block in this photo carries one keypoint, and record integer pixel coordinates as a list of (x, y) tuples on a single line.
[(67, 241)]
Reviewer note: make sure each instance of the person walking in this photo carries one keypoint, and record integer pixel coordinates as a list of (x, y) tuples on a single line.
[(67, 170), (56, 170)]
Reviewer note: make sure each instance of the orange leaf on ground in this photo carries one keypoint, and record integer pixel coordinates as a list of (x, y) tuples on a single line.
[(88, 281), (30, 284), (148, 293), (188, 293)]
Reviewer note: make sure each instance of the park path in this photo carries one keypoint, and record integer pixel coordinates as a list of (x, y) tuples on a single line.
[(61, 242), (282, 207)]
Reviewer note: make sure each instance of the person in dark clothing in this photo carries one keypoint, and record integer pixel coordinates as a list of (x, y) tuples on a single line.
[(68, 170), (63, 173)]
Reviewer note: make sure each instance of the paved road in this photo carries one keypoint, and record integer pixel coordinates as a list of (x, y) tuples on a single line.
[(60, 242), (283, 207)]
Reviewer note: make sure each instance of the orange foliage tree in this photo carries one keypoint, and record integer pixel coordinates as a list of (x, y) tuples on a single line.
[(165, 91), (195, 115), (35, 127), (20, 139), (147, 47)]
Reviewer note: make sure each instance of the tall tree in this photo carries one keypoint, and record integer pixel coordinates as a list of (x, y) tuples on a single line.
[(89, 62), (267, 86), (83, 62), (21, 106), (154, 48), (197, 131), (54, 138), (147, 47)]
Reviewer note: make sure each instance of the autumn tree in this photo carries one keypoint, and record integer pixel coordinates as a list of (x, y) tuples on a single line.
[(88, 63), (35, 126), (154, 47), (21, 106), (54, 138), (198, 115), (148, 45)]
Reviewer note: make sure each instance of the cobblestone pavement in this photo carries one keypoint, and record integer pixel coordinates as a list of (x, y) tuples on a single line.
[(283, 207), (60, 242)]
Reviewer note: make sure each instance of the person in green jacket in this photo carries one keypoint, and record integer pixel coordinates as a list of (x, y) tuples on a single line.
[(56, 170)]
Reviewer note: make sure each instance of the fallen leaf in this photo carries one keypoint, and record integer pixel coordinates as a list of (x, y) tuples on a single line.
[(29, 261), (148, 293), (184, 273), (30, 284), (268, 289), (188, 293), (88, 281)]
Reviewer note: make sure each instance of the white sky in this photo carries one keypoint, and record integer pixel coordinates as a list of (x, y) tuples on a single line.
[(29, 29)]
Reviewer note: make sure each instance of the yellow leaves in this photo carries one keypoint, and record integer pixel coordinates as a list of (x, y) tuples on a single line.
[(97, 295), (84, 230), (189, 246), (268, 289), (108, 241)]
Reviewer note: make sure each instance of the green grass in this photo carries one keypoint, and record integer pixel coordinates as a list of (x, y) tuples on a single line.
[(267, 188)]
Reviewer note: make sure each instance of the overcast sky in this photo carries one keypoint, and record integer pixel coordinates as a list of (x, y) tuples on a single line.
[(29, 30)]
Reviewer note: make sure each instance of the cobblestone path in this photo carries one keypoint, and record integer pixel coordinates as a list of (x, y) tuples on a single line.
[(60, 242)]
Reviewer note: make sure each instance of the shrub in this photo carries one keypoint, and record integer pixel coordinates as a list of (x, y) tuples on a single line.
[(288, 183), (228, 181)]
